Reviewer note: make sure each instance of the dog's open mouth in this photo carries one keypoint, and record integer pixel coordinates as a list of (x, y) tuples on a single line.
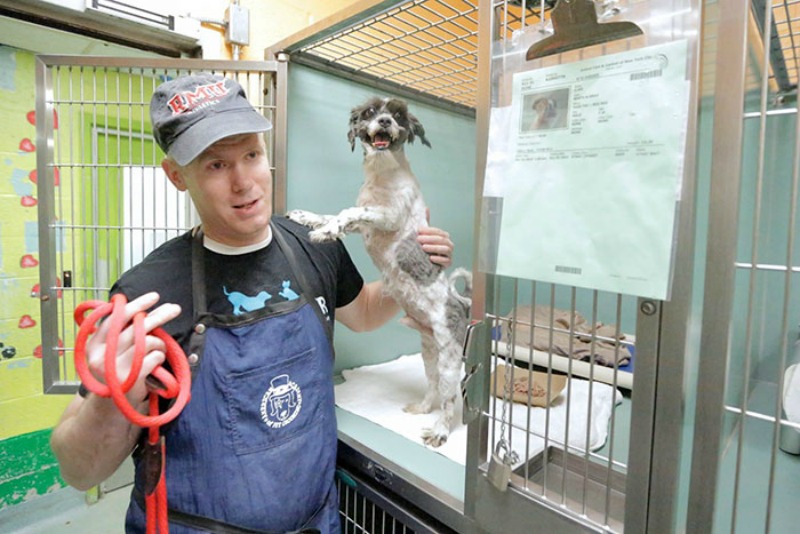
[(381, 141)]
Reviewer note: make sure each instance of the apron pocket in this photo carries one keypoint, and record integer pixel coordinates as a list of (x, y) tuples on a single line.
[(273, 405)]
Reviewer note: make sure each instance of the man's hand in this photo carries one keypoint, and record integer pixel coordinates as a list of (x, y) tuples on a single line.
[(436, 242), (96, 346)]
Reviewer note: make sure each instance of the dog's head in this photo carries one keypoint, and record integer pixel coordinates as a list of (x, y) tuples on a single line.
[(545, 107), (384, 124)]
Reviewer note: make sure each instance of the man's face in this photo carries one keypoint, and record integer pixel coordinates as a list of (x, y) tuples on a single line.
[(231, 186)]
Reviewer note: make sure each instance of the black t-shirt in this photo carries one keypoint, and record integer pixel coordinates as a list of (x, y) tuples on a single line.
[(237, 284)]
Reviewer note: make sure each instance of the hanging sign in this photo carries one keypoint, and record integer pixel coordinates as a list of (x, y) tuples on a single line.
[(587, 163)]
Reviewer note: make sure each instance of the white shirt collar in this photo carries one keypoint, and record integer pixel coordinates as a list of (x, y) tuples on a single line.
[(228, 250)]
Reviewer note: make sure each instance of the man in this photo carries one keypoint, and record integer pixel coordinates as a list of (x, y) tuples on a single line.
[(252, 301)]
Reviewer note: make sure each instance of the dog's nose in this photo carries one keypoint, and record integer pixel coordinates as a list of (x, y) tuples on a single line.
[(384, 122)]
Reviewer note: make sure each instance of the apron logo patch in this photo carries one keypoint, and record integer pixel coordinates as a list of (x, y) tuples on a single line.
[(281, 403)]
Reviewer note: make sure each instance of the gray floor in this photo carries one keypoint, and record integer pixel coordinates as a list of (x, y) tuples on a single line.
[(752, 502), (66, 511)]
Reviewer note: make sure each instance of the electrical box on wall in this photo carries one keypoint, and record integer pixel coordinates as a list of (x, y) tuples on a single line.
[(238, 25)]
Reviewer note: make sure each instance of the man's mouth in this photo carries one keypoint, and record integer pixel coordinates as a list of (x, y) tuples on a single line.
[(246, 205), (381, 141)]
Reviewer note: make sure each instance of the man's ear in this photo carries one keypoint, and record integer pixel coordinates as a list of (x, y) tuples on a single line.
[(173, 172)]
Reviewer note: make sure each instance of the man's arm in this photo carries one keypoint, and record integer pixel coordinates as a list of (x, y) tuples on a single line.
[(93, 438), (369, 310)]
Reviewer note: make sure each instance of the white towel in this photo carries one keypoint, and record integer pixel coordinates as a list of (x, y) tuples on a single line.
[(791, 393), (379, 393)]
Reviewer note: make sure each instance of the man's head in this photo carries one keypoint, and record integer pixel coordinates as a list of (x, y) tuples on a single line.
[(191, 113), (212, 137)]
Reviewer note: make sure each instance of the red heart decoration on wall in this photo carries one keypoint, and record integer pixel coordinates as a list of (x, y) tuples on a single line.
[(27, 146), (26, 321), (31, 116), (33, 176), (28, 261), (37, 352), (36, 289)]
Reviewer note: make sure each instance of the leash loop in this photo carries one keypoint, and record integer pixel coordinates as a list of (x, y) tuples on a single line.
[(160, 383)]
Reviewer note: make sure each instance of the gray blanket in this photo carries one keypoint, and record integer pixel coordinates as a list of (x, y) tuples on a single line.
[(567, 334)]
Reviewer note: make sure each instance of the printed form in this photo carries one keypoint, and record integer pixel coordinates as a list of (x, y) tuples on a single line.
[(588, 161)]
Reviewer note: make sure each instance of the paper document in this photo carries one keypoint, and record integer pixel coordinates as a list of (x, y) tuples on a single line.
[(589, 171)]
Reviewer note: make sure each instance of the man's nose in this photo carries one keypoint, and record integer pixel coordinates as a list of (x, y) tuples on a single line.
[(240, 179)]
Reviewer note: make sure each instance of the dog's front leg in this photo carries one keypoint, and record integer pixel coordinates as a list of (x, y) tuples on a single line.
[(352, 220), (307, 218)]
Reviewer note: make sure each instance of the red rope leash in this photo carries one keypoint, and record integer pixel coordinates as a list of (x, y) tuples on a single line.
[(175, 386)]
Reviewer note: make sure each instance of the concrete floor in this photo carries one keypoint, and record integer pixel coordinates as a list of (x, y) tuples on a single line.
[(67, 512)]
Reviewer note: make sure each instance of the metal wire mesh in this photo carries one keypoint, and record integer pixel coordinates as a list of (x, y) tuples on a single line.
[(431, 45), (786, 17), (371, 509), (104, 201), (427, 45), (561, 462), (359, 515)]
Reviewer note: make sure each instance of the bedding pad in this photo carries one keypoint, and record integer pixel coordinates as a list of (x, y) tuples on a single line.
[(379, 392)]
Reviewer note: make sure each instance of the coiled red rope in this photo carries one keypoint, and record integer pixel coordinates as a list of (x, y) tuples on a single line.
[(176, 385)]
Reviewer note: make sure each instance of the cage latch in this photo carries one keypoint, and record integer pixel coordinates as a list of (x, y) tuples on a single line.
[(475, 356)]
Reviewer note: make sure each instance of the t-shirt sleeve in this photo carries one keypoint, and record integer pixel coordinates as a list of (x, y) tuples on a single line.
[(349, 282)]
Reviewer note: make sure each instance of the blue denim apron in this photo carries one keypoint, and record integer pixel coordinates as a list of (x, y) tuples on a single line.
[(255, 448)]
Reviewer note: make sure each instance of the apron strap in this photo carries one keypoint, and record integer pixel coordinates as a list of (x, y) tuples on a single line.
[(199, 288), (198, 274), (201, 522), (302, 281)]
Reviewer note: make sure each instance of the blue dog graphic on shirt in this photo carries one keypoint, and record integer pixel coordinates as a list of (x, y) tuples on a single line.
[(244, 303)]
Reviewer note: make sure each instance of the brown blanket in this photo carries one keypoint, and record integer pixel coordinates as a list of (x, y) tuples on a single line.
[(571, 335)]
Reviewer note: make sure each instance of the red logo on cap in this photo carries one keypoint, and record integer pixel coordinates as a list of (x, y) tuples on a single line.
[(201, 97)]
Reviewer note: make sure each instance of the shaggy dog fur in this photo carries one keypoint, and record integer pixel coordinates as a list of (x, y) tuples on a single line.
[(389, 211)]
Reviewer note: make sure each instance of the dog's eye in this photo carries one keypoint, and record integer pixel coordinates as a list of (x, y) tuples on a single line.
[(369, 112)]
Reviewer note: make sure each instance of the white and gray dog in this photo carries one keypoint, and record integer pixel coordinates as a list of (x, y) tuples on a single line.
[(390, 209)]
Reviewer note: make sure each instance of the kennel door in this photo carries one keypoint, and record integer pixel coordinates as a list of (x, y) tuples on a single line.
[(747, 435), (103, 200), (586, 356)]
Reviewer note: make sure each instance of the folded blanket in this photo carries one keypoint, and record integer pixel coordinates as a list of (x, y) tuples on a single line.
[(569, 334), (379, 392)]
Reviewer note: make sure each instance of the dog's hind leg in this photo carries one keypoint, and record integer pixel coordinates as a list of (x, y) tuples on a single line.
[(449, 332), (449, 372), (429, 356)]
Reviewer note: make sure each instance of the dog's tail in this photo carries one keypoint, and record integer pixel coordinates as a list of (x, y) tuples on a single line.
[(464, 298)]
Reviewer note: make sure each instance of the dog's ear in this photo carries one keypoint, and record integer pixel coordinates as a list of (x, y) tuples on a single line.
[(352, 133), (416, 130)]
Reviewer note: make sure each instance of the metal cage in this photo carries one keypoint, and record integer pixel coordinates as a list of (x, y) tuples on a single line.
[(103, 201), (441, 52), (741, 338)]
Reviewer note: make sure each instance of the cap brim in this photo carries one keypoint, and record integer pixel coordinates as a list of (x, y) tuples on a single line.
[(208, 131)]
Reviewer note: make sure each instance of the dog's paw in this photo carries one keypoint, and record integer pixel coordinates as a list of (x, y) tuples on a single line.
[(306, 218), (329, 231), (418, 408), (433, 438)]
